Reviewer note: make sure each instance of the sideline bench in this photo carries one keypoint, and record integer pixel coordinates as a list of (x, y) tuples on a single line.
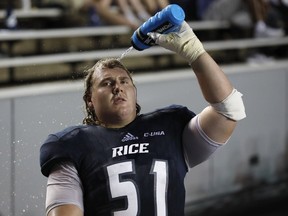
[(94, 55), (34, 13), (11, 35)]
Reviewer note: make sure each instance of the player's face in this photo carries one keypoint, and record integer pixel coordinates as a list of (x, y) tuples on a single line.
[(113, 97)]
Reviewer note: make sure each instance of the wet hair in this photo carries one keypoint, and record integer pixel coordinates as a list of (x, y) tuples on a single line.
[(91, 118)]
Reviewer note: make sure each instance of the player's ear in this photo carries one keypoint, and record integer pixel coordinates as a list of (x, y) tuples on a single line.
[(90, 104), (87, 99)]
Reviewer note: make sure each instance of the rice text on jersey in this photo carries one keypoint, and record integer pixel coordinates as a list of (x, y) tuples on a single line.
[(136, 148)]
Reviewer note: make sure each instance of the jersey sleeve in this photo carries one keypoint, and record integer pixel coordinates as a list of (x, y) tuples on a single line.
[(64, 187), (59, 147), (181, 114), (197, 146)]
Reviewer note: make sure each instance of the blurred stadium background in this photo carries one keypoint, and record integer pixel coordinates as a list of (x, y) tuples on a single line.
[(42, 60)]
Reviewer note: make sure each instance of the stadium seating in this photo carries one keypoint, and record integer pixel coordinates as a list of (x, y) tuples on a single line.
[(65, 54)]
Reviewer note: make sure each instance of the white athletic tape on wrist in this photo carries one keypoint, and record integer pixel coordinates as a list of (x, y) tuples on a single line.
[(191, 46), (192, 49), (232, 107), (184, 42)]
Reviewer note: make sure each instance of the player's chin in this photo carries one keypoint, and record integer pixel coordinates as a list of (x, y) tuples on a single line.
[(124, 109)]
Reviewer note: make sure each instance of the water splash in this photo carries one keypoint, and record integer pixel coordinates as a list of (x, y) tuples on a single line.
[(125, 53)]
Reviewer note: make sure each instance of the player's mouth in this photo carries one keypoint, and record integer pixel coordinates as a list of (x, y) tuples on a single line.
[(118, 100)]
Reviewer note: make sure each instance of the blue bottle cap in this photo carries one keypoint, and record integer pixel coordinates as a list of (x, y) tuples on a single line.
[(176, 14)]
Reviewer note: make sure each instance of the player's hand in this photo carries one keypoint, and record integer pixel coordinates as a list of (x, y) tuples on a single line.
[(184, 42)]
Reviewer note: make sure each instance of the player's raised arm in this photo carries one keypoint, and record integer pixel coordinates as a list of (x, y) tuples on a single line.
[(226, 106)]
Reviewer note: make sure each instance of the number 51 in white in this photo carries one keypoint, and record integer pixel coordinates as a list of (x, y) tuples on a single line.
[(128, 188)]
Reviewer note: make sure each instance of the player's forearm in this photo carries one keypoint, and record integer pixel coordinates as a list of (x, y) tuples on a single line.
[(213, 82)]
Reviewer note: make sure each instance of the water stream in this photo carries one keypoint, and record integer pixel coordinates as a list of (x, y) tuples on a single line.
[(125, 53)]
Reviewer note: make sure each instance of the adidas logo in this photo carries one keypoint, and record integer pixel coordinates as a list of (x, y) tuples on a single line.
[(128, 137)]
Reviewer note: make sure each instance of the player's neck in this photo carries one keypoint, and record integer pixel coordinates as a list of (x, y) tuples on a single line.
[(118, 123)]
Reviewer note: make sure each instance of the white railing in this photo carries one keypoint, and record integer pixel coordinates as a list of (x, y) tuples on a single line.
[(94, 55)]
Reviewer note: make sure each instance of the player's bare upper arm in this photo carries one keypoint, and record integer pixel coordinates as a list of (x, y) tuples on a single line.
[(66, 210), (218, 127)]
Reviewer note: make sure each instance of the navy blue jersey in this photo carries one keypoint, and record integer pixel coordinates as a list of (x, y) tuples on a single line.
[(135, 170)]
